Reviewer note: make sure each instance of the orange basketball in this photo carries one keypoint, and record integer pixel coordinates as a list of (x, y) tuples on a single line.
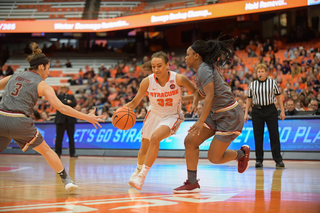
[(124, 118)]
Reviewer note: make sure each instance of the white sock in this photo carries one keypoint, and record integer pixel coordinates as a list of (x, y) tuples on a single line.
[(139, 167), (145, 170)]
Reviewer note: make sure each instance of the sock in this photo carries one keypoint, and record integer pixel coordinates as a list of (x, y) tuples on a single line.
[(139, 167), (240, 154), (63, 174), (144, 171), (192, 176)]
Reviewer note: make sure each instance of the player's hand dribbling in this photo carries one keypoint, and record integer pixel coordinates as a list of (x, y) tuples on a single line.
[(196, 128), (92, 118)]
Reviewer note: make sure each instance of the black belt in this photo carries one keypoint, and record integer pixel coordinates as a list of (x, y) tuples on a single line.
[(261, 106)]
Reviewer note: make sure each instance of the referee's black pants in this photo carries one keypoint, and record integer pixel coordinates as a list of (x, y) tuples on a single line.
[(268, 114), (60, 129)]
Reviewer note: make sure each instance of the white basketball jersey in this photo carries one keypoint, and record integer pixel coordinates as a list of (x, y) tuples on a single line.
[(165, 100)]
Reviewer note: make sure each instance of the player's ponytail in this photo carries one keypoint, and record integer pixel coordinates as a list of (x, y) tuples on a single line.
[(214, 52), (37, 57)]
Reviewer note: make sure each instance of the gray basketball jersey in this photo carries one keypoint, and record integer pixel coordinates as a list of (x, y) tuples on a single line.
[(223, 96), (21, 92)]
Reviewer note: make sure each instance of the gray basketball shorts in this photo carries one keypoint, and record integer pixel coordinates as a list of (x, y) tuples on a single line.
[(227, 125), (21, 129)]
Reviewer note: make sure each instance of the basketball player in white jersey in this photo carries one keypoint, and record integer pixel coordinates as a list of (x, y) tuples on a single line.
[(21, 92), (164, 116)]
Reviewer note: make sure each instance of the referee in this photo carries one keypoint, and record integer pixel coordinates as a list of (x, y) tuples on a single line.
[(261, 94)]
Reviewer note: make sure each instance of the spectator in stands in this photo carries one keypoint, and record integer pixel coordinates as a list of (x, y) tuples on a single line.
[(42, 104), (272, 59), (106, 114), (65, 123), (237, 86), (189, 73), (251, 46), (314, 106), (9, 71), (101, 70), (36, 115), (87, 68), (296, 69), (288, 88), (291, 110), (311, 90), (141, 112), (298, 106), (73, 80), (288, 53), (89, 74), (247, 79), (120, 73), (199, 110), (145, 67), (144, 59), (57, 64), (45, 116), (318, 98), (286, 67), (79, 80), (267, 45), (183, 64), (251, 53), (84, 110), (68, 64), (122, 92)]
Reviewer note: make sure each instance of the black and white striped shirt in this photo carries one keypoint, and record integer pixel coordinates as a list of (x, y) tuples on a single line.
[(263, 92)]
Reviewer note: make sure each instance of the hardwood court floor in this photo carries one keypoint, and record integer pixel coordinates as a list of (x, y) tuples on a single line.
[(27, 184)]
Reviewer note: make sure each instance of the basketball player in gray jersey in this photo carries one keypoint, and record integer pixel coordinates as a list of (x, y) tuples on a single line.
[(221, 115), (21, 92)]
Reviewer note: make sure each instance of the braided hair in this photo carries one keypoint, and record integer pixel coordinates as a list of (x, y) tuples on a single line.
[(214, 52)]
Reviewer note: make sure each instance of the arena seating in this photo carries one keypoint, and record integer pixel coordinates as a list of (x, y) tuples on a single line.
[(45, 9), (74, 9), (59, 76)]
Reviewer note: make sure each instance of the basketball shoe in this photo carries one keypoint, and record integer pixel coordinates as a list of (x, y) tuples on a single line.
[(137, 182), (69, 185), (134, 175), (187, 187), (243, 163)]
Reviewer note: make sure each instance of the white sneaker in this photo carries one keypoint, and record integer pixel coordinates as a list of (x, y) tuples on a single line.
[(69, 185), (137, 182), (134, 175)]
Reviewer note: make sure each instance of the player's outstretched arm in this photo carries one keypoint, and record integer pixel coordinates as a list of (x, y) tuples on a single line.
[(45, 90), (140, 94), (3, 82)]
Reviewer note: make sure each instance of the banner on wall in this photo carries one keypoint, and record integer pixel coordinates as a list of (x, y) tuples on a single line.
[(150, 19), (295, 135), (313, 2)]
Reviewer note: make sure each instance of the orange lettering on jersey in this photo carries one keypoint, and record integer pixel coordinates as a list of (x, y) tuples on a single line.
[(162, 95), (166, 94)]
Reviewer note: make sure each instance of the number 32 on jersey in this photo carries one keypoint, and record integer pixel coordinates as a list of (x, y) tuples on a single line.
[(165, 102)]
